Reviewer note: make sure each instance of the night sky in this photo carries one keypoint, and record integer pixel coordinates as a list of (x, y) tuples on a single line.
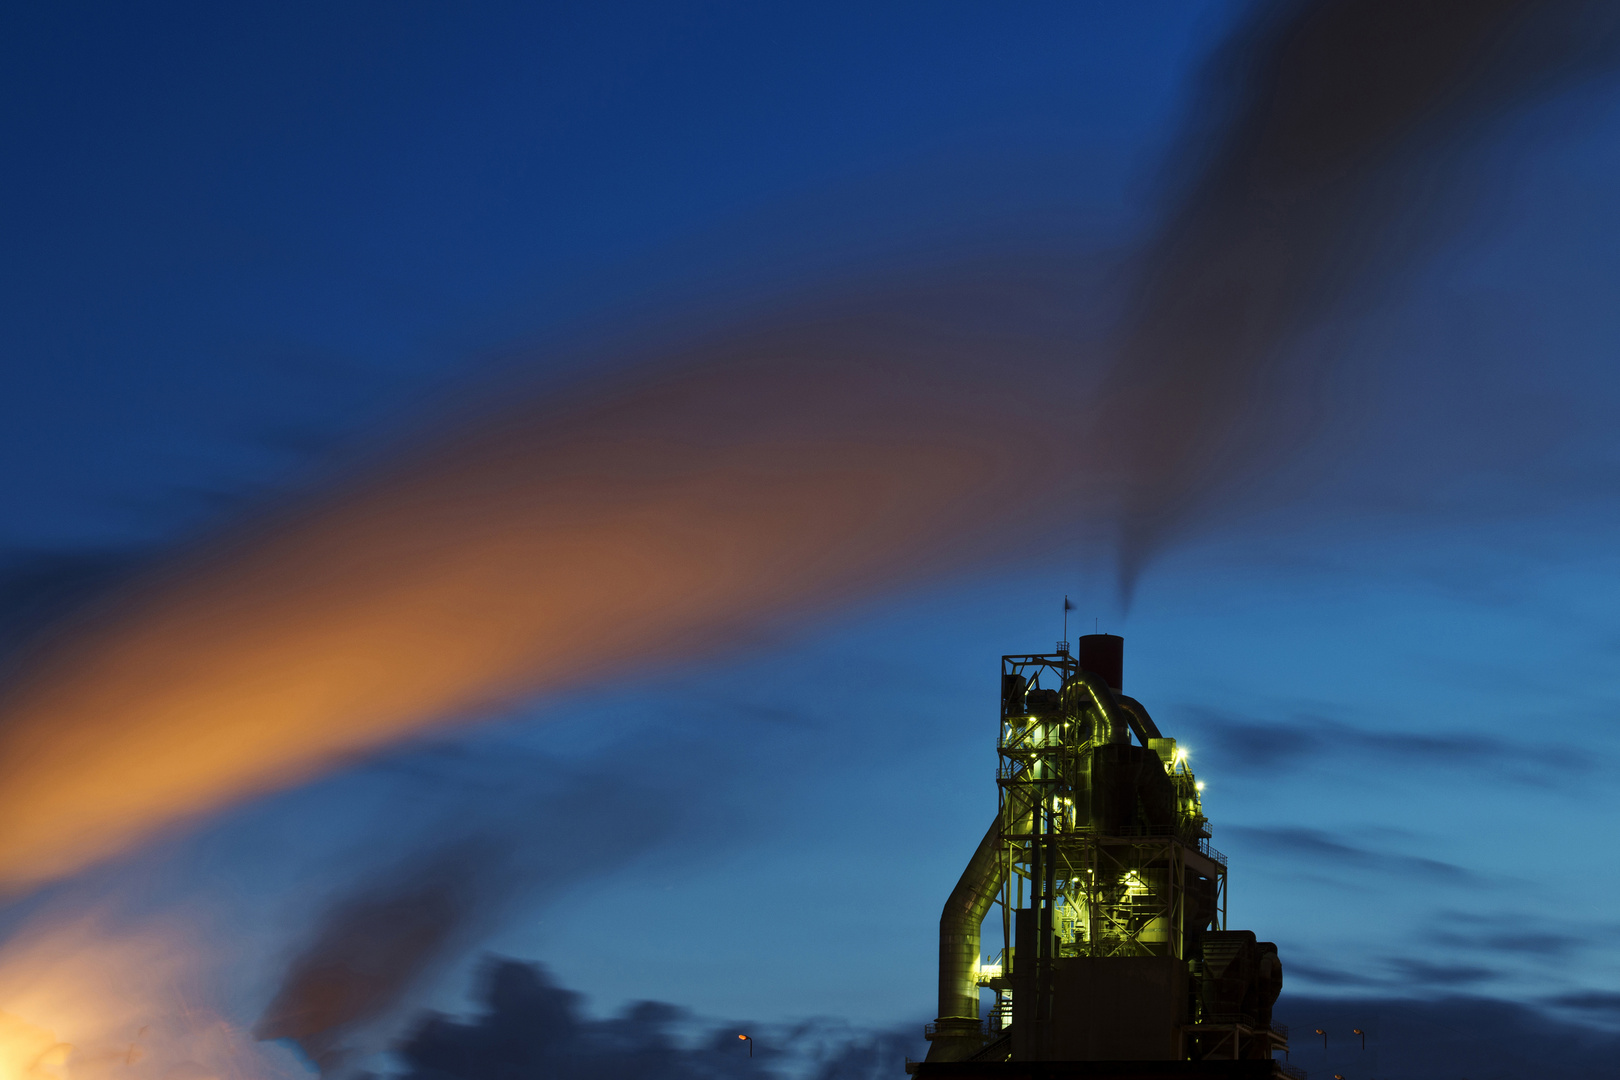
[(253, 250)]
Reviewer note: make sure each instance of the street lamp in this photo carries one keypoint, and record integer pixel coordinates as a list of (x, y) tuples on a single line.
[(1363, 1034), (749, 1040), (1322, 1033)]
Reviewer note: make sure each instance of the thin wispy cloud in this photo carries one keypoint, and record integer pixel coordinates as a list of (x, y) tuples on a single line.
[(1324, 849), (1245, 747)]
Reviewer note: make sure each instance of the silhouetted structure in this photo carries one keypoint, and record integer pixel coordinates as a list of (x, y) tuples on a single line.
[(1115, 958)]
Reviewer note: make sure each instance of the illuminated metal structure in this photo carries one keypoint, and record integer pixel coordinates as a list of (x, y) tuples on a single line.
[(1112, 902)]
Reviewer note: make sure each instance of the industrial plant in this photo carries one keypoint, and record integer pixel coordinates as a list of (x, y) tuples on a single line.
[(1115, 955)]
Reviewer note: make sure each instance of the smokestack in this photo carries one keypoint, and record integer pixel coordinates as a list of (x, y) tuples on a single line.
[(1104, 656)]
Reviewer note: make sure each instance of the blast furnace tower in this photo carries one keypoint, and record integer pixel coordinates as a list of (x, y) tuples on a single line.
[(1115, 956)]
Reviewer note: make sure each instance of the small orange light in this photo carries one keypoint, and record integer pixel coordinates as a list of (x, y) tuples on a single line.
[(742, 1036)]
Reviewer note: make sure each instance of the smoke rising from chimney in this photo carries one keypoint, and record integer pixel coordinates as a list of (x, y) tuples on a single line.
[(1328, 152)]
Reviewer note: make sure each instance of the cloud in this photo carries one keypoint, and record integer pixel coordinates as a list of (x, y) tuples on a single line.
[(1391, 974), (1433, 974), (1594, 1000), (1317, 846), (1534, 944), (1452, 1036), (1239, 746), (1522, 933), (1242, 746), (1459, 948), (529, 1026), (1330, 976)]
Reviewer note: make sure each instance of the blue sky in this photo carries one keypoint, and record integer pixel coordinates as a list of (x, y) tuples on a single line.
[(248, 244)]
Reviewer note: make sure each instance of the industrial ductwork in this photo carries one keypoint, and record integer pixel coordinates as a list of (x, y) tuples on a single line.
[(959, 930), (1099, 857)]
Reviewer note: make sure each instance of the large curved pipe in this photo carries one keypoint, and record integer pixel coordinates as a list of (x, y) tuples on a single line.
[(1141, 722), (1111, 726), (959, 927), (976, 889)]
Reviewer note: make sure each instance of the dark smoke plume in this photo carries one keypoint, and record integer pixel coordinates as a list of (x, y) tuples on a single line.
[(525, 829), (371, 952), (1330, 153)]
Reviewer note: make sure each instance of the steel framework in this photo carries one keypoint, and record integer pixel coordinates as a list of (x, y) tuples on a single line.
[(1095, 887)]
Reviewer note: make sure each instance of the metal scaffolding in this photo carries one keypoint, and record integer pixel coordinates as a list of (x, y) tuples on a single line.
[(1098, 885), (1113, 903)]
